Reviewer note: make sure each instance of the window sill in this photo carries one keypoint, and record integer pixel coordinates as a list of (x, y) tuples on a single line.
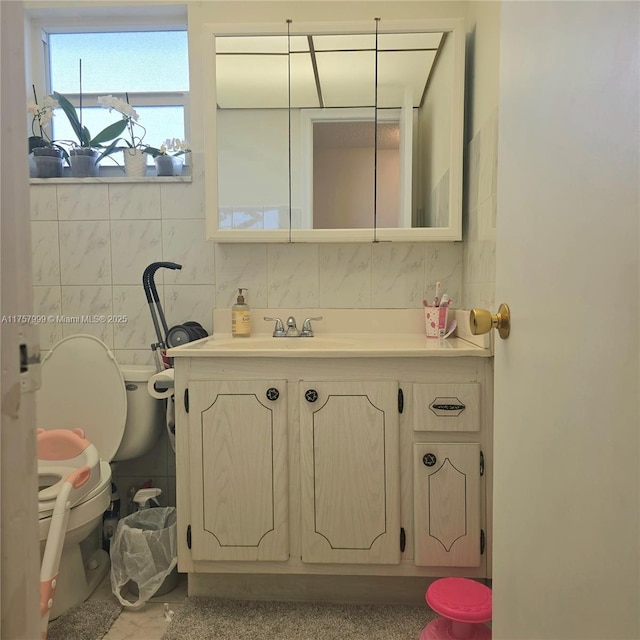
[(114, 174), (108, 179)]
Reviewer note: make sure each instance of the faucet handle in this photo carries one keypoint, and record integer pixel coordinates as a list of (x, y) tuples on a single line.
[(307, 331), (278, 330)]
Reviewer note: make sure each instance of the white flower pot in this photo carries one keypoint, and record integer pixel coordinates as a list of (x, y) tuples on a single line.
[(135, 163)]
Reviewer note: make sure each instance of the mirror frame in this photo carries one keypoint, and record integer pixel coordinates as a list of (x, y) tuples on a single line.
[(455, 29)]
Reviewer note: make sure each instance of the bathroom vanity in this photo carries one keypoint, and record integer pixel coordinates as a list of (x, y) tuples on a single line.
[(343, 454)]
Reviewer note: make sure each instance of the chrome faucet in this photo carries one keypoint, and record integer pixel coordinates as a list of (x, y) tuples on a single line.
[(292, 329), (278, 330), (307, 331)]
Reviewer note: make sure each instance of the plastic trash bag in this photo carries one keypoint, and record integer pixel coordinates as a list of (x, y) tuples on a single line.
[(143, 550)]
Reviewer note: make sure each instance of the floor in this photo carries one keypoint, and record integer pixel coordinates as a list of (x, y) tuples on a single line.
[(147, 623)]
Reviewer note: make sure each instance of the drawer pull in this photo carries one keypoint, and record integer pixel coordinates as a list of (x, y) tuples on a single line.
[(272, 394), (447, 406)]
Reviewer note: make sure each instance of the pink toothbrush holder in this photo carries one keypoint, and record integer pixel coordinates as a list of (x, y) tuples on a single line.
[(435, 321)]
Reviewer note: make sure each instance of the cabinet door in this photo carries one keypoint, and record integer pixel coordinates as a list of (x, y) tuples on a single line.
[(350, 472), (239, 477), (446, 501)]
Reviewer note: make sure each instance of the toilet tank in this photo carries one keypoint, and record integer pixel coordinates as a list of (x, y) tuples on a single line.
[(145, 415)]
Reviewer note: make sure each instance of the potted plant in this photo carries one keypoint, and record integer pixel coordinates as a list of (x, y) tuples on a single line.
[(135, 162), (169, 156), (85, 155), (48, 157)]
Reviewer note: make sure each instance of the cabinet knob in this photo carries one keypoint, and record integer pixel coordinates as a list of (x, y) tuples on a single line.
[(272, 394), (429, 459), (311, 395)]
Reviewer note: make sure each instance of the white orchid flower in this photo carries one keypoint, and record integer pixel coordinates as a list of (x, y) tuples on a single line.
[(110, 102)]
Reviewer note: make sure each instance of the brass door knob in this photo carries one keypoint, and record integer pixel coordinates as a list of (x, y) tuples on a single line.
[(482, 321)]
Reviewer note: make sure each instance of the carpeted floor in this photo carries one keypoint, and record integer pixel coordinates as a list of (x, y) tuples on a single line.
[(213, 619), (88, 621)]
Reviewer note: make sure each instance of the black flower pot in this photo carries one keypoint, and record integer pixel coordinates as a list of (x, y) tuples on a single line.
[(84, 162), (48, 162)]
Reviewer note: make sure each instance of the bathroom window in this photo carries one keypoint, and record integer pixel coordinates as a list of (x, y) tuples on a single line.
[(150, 68)]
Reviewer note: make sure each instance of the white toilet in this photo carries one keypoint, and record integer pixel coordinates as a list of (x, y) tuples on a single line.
[(84, 388)]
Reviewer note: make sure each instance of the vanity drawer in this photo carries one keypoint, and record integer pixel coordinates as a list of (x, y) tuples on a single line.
[(446, 407)]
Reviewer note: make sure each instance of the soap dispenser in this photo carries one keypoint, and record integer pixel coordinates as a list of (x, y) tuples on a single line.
[(240, 317)]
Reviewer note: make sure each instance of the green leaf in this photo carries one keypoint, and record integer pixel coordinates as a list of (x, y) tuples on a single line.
[(111, 132), (71, 113), (112, 148), (85, 138)]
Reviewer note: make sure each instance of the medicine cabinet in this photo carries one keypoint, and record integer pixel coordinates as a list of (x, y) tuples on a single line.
[(334, 132)]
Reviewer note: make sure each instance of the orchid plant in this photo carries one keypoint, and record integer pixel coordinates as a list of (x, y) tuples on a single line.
[(84, 137), (170, 147), (130, 117), (41, 117)]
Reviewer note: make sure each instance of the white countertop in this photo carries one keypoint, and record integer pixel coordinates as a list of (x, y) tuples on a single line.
[(339, 345), (387, 336)]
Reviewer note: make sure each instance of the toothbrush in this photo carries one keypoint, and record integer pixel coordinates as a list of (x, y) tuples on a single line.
[(445, 301), (436, 300)]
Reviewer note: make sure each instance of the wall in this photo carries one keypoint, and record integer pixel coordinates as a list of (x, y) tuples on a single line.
[(481, 155)]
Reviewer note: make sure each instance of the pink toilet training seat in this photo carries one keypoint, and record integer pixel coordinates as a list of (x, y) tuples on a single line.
[(464, 605), (460, 599)]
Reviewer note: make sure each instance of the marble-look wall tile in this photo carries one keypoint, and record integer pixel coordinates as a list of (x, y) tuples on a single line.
[(134, 201), (138, 332), (344, 276), (444, 264), (85, 252), (241, 265), (46, 303), (488, 158), (397, 278), (134, 356), (185, 200), (479, 216), (184, 242), (292, 275), (473, 172), (87, 300), (135, 244), (43, 203), (83, 202), (190, 302), (45, 253), (479, 295), (480, 262)]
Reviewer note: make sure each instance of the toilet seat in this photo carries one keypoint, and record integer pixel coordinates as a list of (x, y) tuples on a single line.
[(83, 388)]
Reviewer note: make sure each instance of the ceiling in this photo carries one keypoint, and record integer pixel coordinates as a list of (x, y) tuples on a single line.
[(252, 72)]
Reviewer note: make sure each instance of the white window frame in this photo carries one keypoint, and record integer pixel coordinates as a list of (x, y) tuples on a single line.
[(95, 20)]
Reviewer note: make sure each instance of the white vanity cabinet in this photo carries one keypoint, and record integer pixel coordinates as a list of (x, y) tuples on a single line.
[(237, 475), (291, 460), (350, 472)]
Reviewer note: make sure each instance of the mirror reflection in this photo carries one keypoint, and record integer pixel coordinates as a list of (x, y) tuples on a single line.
[(333, 130)]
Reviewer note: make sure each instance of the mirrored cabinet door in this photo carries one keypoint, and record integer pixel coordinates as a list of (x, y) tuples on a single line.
[(252, 135), (343, 132)]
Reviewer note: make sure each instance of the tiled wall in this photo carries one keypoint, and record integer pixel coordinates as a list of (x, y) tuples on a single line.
[(479, 217), (92, 242)]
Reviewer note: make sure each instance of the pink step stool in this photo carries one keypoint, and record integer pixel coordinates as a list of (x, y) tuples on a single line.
[(464, 605)]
